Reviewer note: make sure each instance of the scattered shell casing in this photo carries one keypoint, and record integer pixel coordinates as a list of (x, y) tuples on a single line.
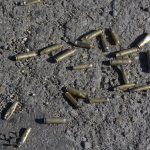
[(26, 55), (54, 120), (148, 61), (120, 62), (126, 86), (66, 54), (127, 52), (145, 40), (24, 137), (84, 44), (124, 75), (11, 111), (72, 99), (143, 88), (98, 100), (52, 48), (92, 35), (104, 41), (76, 92), (82, 66), (30, 2), (115, 37)]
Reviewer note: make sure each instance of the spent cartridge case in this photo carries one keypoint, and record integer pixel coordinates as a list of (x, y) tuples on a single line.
[(126, 86), (84, 44), (26, 55), (120, 62), (92, 35), (24, 137), (148, 61), (11, 111), (52, 48), (98, 100), (30, 2), (77, 93), (82, 66), (72, 100), (124, 75), (127, 52), (144, 41), (104, 42), (115, 37), (54, 120), (65, 55), (143, 88)]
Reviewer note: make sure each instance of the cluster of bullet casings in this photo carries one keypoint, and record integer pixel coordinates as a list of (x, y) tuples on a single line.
[(122, 58)]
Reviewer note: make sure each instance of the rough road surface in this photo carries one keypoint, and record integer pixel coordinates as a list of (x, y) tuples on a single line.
[(121, 124)]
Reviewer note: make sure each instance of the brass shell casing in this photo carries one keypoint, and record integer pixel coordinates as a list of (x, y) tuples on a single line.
[(76, 92), (26, 55), (11, 111), (65, 55), (24, 137), (52, 48)]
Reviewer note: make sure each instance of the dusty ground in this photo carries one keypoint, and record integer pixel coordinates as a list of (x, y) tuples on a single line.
[(121, 124)]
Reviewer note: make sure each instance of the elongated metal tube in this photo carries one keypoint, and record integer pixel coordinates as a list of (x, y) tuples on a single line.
[(92, 35), (98, 100), (54, 120), (127, 52), (24, 137), (11, 111), (65, 55), (104, 42), (126, 86), (30, 2), (143, 88), (52, 48), (26, 55), (82, 66), (76, 92), (72, 100), (120, 62), (84, 44), (145, 41), (115, 37), (124, 75)]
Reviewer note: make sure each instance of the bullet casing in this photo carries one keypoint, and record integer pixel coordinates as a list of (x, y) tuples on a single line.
[(145, 41), (65, 55), (98, 100), (92, 35), (54, 120), (104, 42), (24, 137), (127, 52), (120, 62), (124, 75), (72, 100), (126, 86), (30, 2), (84, 44), (26, 55), (148, 61), (11, 111), (77, 93), (52, 48), (143, 88), (115, 37), (82, 66)]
